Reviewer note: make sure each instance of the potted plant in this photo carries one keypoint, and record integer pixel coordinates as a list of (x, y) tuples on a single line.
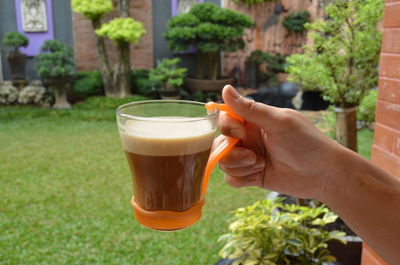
[(342, 60), (271, 232), (168, 78), (55, 65), (211, 30), (16, 59)]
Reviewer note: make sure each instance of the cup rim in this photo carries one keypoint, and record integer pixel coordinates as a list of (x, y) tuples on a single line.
[(163, 101)]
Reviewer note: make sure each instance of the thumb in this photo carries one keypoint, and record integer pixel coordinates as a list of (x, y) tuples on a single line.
[(255, 112)]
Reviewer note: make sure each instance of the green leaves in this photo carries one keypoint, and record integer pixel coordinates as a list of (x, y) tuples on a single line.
[(55, 60), (122, 30), (342, 61), (295, 21), (270, 232), (15, 40), (167, 75), (207, 27), (92, 9)]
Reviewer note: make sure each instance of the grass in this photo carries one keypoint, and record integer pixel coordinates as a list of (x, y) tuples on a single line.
[(65, 191)]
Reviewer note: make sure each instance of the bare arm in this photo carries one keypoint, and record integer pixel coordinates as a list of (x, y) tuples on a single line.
[(280, 150)]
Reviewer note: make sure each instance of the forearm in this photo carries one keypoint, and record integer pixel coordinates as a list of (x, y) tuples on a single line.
[(368, 200)]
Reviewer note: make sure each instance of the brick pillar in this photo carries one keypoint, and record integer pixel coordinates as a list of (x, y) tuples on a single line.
[(386, 148)]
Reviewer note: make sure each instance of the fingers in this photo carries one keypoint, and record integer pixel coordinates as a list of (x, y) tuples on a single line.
[(230, 126), (238, 182), (238, 157), (245, 170), (263, 115)]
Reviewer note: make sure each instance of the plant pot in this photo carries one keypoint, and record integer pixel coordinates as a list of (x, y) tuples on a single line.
[(349, 254), (346, 127), (17, 62), (312, 100), (60, 87), (207, 85)]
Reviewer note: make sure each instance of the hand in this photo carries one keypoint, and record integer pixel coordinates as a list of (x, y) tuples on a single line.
[(279, 150)]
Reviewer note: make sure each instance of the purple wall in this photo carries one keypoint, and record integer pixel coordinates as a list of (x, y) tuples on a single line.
[(36, 39)]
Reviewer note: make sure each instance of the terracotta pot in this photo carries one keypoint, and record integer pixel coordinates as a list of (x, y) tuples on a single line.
[(17, 62), (349, 254), (207, 85)]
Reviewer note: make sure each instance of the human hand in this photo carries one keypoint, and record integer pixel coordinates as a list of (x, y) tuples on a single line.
[(279, 150)]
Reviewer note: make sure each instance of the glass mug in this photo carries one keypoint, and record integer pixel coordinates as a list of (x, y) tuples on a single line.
[(168, 147)]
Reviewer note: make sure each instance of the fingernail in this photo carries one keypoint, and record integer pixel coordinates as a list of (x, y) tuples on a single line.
[(234, 93), (237, 133)]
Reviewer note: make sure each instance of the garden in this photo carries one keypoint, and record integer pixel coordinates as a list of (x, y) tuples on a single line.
[(66, 186)]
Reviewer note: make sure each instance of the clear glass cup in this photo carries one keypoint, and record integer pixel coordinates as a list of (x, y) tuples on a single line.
[(167, 144)]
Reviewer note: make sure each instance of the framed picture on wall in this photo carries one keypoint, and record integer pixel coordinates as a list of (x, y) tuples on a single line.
[(183, 6)]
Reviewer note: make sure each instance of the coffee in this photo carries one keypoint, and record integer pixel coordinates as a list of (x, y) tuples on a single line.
[(167, 157)]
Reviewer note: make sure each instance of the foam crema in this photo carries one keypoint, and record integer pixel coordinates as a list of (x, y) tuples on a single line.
[(167, 136)]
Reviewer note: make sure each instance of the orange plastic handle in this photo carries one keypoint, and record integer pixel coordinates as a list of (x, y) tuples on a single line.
[(223, 148)]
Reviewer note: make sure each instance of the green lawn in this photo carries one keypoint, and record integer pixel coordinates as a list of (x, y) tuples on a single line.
[(65, 191)]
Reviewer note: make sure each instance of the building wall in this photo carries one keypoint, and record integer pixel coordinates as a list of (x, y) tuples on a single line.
[(269, 34), (62, 24), (386, 147), (85, 45)]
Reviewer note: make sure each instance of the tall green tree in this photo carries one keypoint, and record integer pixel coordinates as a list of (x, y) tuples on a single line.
[(122, 31), (342, 60)]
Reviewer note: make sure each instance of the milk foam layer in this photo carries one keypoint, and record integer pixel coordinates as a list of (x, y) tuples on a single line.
[(167, 136)]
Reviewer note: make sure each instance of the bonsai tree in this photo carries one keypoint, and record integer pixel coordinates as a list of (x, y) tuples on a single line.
[(342, 60), (210, 29), (270, 232), (55, 65), (168, 77), (122, 31), (16, 60)]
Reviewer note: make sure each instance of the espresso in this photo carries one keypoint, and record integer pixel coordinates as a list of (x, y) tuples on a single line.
[(167, 159)]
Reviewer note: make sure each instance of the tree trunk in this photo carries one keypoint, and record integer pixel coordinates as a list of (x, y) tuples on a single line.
[(346, 127), (105, 69), (123, 8), (208, 65), (122, 73)]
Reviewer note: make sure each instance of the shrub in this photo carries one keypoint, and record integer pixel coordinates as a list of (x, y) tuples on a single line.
[(167, 75), (32, 94), (141, 83), (92, 9), (106, 103), (87, 84), (270, 232), (274, 64), (251, 2), (366, 110), (55, 60), (8, 93), (122, 30), (15, 40), (295, 21)]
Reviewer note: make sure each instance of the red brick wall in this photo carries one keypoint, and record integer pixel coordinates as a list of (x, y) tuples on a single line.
[(386, 148), (85, 45)]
